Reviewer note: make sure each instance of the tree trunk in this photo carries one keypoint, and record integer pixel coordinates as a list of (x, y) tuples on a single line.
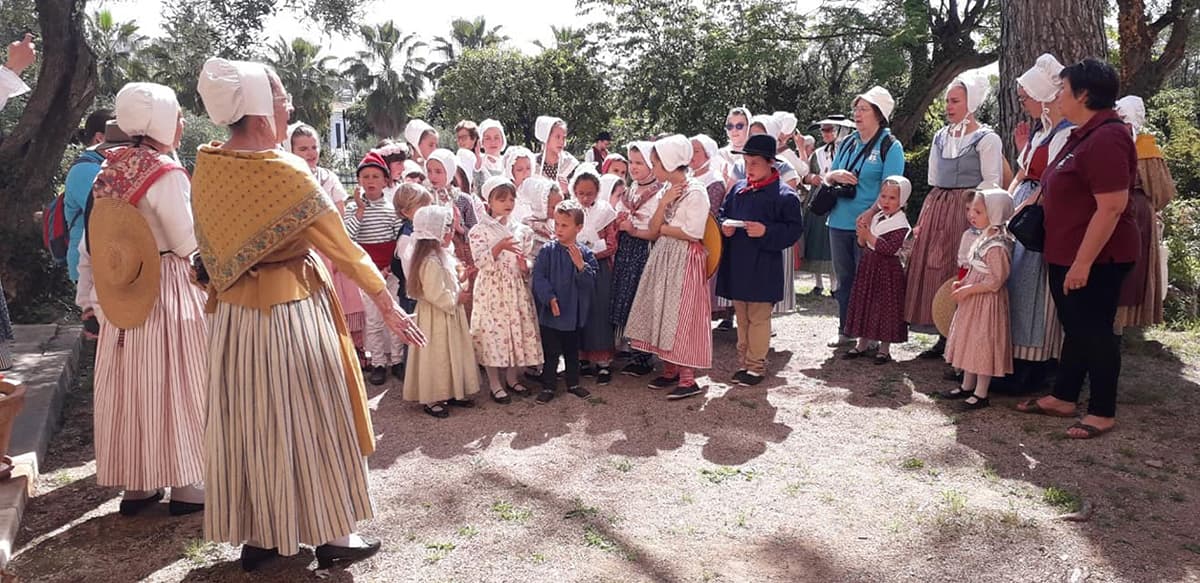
[(1142, 72), (32, 154), (1071, 30)]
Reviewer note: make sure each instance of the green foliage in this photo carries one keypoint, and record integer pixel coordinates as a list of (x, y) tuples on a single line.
[(117, 46), (464, 35), (388, 75), (310, 79)]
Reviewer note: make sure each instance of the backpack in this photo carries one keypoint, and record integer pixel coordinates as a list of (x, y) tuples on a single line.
[(56, 230)]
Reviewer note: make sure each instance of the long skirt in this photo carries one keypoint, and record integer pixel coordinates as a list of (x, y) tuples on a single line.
[(284, 466), (351, 299), (1141, 292), (597, 342), (446, 367), (1036, 333), (979, 340), (628, 264), (150, 388), (818, 257), (934, 257), (788, 304), (671, 315), (505, 327)]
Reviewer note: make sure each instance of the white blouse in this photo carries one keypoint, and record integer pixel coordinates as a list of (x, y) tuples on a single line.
[(691, 210), (991, 157), (11, 85)]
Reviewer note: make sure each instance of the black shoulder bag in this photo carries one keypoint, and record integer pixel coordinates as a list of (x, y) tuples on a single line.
[(1029, 224), (826, 196)]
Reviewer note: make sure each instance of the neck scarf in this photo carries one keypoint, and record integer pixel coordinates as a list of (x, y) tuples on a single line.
[(752, 185), (882, 224), (129, 172)]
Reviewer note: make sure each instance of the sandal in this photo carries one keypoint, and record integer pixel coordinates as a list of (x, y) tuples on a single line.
[(518, 389), (882, 358), (853, 353), (501, 396), (464, 403), (437, 411), (957, 393), (1032, 407), (1091, 430)]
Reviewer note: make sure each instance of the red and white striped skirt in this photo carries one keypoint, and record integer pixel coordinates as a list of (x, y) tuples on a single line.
[(672, 314)]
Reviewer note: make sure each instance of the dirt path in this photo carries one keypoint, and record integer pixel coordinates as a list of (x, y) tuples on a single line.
[(836, 471)]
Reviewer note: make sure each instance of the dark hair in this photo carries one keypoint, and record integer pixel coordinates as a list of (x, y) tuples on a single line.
[(570, 208), (1098, 78), (304, 130), (95, 124), (472, 129), (588, 176), (604, 137)]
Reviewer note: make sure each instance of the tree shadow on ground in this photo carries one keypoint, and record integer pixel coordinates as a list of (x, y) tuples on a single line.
[(738, 421), (299, 567), (59, 507)]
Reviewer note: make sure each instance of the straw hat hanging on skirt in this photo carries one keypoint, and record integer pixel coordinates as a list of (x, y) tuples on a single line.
[(944, 307), (126, 262)]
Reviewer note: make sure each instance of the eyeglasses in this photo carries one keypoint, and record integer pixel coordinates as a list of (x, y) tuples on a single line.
[(735, 126), (862, 109), (827, 128)]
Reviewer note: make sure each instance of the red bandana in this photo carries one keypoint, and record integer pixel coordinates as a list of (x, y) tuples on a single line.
[(752, 185)]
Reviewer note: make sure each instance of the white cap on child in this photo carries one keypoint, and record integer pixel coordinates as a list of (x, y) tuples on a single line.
[(432, 222)]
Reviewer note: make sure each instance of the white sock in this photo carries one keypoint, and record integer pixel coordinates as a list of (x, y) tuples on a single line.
[(968, 381), (192, 493), (861, 345), (352, 541), (981, 386)]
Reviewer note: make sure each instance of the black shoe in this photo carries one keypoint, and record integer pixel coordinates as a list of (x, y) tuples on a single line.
[(503, 400), (134, 507), (378, 375), (181, 508), (853, 353), (253, 557), (738, 376), (398, 371), (816, 291), (726, 325), (685, 391), (328, 554), (750, 379), (634, 369), (436, 411), (936, 351), (664, 382), (579, 391), (955, 394), (979, 403), (604, 376), (545, 396), (587, 370)]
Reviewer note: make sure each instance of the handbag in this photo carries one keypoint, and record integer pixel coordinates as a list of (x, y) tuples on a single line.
[(1029, 224), (825, 197)]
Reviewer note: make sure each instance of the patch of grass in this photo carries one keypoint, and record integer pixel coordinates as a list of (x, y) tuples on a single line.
[(913, 463), (595, 539), (793, 489), (537, 558), (954, 501), (747, 403), (1127, 451), (198, 551), (581, 511), (623, 465), (741, 519), (724, 473), (687, 499), (1010, 518), (990, 474), (1064, 500), (509, 513), (467, 531), (710, 576), (807, 413), (437, 551), (596, 400)]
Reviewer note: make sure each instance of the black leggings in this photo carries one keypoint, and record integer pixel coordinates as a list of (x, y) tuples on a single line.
[(556, 344), (1090, 348)]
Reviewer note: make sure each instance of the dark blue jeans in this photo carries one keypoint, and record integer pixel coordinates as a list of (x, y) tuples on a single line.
[(845, 253)]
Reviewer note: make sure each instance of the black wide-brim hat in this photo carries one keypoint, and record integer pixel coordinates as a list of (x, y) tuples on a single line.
[(763, 146)]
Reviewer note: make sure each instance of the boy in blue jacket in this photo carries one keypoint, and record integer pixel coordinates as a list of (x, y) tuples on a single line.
[(564, 277), (760, 218)]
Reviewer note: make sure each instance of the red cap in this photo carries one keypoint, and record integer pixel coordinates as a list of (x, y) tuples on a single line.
[(374, 159)]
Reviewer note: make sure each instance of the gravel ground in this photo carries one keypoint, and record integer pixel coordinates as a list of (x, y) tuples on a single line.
[(833, 471)]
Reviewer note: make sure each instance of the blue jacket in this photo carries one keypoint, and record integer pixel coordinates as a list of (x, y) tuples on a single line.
[(78, 188), (555, 276), (870, 178), (751, 270)]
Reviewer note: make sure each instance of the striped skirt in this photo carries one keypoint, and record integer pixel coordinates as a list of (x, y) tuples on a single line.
[(934, 257), (283, 466), (150, 387), (788, 304), (671, 316)]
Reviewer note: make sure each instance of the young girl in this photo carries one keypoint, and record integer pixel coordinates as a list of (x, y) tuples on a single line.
[(371, 222), (979, 341), (302, 141), (612, 190), (441, 167), (536, 200), (409, 199), (466, 135), (518, 165), (671, 312), (491, 155), (443, 371), (706, 167), (422, 139), (599, 234), (876, 311), (616, 165), (554, 162), (505, 327), (737, 131), (634, 213)]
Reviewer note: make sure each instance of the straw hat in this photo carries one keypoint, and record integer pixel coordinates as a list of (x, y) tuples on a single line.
[(125, 262), (944, 307), (712, 243)]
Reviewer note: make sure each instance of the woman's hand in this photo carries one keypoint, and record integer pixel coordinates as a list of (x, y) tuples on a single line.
[(1021, 136), (960, 291), (400, 323), (842, 177), (1077, 277)]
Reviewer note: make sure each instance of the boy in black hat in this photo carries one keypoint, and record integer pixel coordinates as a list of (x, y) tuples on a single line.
[(760, 218)]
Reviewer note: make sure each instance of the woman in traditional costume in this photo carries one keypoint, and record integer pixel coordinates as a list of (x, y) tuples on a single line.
[(288, 427), (554, 162)]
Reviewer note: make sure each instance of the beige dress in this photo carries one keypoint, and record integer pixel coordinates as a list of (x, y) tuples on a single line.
[(504, 324), (980, 341), (445, 368)]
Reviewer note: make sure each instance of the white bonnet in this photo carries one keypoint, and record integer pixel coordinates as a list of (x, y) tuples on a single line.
[(999, 204), (768, 122), (414, 130), (448, 161), (786, 121), (674, 151), (232, 90), (584, 169), (710, 145), (976, 85), (608, 183), (1132, 109), (643, 147), (432, 222), (494, 182), (881, 98), (905, 187), (1041, 81), (466, 161), (515, 153), (491, 124), (543, 125), (148, 109)]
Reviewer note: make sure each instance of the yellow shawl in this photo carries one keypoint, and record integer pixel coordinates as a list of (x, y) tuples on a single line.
[(1155, 176), (249, 204)]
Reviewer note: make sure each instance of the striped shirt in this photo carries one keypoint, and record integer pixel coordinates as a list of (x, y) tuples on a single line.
[(380, 223)]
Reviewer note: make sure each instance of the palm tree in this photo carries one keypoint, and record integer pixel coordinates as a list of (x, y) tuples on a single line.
[(464, 35), (309, 77), (565, 38), (117, 46), (389, 74)]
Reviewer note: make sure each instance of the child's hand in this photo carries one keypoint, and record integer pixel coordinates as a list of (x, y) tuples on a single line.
[(727, 231), (1021, 136), (916, 232), (626, 225), (554, 307), (506, 244), (523, 265), (576, 256), (672, 194), (755, 229)]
